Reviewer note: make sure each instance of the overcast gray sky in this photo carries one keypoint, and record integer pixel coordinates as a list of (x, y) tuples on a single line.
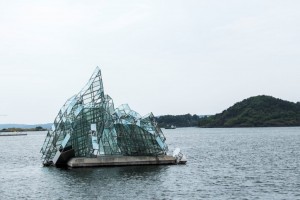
[(168, 57)]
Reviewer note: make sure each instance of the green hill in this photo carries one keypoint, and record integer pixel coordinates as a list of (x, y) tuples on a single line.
[(258, 111)]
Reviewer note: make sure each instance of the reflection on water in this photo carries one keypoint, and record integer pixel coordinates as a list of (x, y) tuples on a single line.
[(254, 163), (107, 182)]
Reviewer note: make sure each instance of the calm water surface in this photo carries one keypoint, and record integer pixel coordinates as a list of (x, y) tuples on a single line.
[(247, 163)]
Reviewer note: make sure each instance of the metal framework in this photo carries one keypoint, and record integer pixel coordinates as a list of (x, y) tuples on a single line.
[(88, 125)]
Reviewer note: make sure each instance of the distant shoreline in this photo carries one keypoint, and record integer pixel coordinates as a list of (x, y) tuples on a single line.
[(14, 134), (11, 130)]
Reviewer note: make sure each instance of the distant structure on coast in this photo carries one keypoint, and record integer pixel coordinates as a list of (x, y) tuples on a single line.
[(88, 126)]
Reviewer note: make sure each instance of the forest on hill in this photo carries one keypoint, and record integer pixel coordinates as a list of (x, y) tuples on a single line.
[(187, 120), (258, 111)]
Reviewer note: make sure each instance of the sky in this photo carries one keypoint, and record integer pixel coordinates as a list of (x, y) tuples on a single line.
[(166, 57)]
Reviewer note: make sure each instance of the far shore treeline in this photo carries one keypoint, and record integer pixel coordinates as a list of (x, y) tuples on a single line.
[(38, 128), (187, 120), (257, 111)]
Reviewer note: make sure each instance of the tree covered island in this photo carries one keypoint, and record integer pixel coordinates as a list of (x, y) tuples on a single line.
[(258, 111)]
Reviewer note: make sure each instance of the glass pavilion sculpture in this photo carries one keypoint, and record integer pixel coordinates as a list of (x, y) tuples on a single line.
[(88, 125)]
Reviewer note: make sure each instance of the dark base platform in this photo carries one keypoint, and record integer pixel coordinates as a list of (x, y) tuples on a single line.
[(121, 161)]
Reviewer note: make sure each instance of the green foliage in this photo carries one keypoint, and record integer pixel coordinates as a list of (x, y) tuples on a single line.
[(187, 120), (258, 111), (39, 128)]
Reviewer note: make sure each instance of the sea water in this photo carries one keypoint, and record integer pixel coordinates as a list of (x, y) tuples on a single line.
[(231, 163)]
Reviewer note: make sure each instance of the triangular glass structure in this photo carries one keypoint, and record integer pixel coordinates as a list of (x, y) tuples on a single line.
[(88, 125)]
